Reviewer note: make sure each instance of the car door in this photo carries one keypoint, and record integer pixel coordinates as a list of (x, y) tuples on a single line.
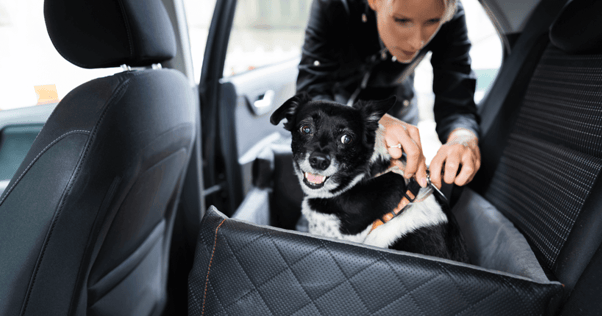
[(249, 68)]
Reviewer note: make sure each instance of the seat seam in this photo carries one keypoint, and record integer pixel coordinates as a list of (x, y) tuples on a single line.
[(46, 238), (255, 286), (405, 285), (478, 302), (458, 287), (171, 130), (128, 192), (266, 234), (348, 278), (291, 269), (409, 294), (218, 300), (119, 92), (209, 267), (56, 140), (142, 258), (115, 95)]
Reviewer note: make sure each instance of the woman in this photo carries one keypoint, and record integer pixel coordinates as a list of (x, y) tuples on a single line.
[(367, 49)]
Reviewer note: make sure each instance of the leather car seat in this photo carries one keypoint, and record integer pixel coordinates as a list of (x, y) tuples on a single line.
[(86, 222)]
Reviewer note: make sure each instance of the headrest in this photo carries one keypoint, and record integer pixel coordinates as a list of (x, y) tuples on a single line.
[(578, 28), (110, 33)]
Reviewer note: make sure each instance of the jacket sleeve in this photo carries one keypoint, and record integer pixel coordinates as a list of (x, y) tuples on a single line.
[(454, 82), (320, 54)]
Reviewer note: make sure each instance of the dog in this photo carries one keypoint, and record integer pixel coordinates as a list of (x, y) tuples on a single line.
[(350, 186)]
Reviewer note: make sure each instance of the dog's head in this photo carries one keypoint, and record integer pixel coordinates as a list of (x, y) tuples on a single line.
[(332, 143)]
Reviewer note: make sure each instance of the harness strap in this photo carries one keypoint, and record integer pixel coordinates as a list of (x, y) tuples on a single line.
[(408, 197)]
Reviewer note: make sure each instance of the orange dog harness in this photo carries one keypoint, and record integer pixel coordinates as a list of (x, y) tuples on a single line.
[(408, 197)]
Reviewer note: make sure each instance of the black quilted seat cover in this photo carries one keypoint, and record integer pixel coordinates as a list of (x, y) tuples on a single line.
[(245, 269)]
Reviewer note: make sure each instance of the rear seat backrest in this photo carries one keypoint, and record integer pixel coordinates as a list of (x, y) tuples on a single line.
[(547, 181)]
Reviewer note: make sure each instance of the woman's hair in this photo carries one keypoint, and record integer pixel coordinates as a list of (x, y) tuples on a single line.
[(450, 9)]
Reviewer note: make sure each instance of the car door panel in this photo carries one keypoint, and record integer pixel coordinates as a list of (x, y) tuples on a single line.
[(273, 85), (252, 130), (252, 88)]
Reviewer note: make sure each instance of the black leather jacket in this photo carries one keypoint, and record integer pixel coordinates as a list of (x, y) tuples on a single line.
[(340, 49)]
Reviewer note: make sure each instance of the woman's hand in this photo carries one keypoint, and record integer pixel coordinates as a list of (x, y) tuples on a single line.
[(462, 148), (398, 132)]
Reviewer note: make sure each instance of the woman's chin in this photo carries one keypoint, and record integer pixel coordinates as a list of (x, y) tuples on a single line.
[(405, 59)]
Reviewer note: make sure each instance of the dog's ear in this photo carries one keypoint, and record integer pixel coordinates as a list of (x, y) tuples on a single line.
[(288, 109), (373, 111)]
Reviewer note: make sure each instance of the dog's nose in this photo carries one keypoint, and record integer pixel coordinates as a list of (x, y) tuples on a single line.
[(319, 161)]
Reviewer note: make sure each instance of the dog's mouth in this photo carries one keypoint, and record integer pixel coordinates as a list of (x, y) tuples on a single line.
[(314, 181)]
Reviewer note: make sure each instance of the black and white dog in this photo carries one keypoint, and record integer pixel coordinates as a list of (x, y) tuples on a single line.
[(340, 158)]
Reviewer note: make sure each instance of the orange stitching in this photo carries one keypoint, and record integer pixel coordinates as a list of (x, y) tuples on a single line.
[(209, 269)]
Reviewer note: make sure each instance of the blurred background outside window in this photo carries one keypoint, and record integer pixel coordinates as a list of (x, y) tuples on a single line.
[(486, 54), (32, 72)]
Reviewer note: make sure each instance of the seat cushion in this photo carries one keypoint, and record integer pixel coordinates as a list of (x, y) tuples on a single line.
[(492, 240)]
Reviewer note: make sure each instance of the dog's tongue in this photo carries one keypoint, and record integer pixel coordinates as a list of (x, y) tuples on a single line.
[(314, 178)]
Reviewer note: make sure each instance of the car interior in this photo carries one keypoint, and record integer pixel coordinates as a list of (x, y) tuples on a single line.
[(153, 192)]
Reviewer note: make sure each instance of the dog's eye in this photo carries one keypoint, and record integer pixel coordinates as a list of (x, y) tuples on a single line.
[(305, 129), (346, 139)]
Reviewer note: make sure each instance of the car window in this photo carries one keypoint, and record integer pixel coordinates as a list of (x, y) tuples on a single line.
[(198, 18), (32, 71), (486, 54), (265, 32)]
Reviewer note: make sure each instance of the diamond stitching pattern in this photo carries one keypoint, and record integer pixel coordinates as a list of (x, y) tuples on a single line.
[(220, 305), (351, 284), (247, 276), (478, 302), (409, 292), (290, 287), (462, 294), (296, 278)]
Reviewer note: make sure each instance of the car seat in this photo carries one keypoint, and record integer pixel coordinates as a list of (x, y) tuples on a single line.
[(86, 222)]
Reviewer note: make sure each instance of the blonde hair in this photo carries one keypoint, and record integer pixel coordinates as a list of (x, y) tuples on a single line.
[(450, 9)]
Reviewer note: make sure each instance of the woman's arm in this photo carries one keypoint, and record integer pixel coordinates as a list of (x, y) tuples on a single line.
[(454, 83), (320, 57)]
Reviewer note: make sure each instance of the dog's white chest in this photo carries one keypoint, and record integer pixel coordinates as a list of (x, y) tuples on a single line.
[(329, 225), (418, 215), (424, 214)]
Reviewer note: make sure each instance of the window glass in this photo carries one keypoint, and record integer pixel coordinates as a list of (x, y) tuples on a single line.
[(31, 70), (198, 17), (265, 32), (486, 54)]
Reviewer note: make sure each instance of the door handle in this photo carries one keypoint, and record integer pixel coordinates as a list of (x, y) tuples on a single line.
[(264, 104)]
